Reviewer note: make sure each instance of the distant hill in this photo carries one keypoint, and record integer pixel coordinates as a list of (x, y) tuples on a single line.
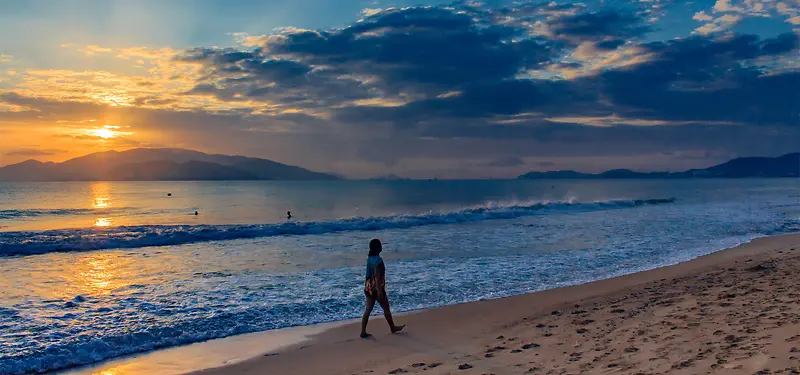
[(782, 166), (157, 164)]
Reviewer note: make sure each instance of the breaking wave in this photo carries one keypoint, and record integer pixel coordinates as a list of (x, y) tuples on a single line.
[(84, 239)]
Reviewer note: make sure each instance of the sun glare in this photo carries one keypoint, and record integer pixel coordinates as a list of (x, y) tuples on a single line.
[(107, 132), (104, 133)]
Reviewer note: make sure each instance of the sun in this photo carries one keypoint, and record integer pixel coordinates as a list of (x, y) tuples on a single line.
[(104, 133), (107, 132)]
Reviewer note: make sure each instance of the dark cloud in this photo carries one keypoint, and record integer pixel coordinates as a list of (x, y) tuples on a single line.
[(213, 55), (153, 100), (504, 162), (609, 44), (233, 75), (603, 25), (405, 48), (484, 100), (695, 79), (709, 80)]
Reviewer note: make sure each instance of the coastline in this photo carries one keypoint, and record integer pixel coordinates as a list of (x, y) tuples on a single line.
[(466, 338), (202, 355)]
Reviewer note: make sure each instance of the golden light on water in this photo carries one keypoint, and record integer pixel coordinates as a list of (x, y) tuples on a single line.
[(101, 196), (101, 199), (97, 274), (103, 222), (101, 203)]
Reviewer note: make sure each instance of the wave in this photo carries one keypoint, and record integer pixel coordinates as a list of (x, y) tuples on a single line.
[(85, 239)]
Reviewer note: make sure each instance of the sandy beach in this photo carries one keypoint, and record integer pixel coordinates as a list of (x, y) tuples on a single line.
[(732, 312)]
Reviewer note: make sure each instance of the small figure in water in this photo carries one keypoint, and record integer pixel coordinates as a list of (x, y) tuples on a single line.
[(195, 213), (169, 194), (288, 215), (375, 288)]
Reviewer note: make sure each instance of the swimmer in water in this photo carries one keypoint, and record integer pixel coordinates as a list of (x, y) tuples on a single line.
[(195, 213), (288, 215)]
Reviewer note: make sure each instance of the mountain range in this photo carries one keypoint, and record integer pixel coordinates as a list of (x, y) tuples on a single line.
[(157, 164), (172, 164), (783, 166)]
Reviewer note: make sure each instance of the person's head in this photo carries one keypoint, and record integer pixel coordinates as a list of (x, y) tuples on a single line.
[(375, 247)]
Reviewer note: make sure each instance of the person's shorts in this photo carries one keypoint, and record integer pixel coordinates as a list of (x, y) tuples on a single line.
[(371, 290)]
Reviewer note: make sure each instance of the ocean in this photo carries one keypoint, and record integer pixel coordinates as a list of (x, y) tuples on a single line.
[(96, 270)]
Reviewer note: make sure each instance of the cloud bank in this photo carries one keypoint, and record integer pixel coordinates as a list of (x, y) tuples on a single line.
[(462, 90)]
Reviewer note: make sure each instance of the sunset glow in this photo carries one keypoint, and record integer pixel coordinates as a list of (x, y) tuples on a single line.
[(532, 80), (107, 132)]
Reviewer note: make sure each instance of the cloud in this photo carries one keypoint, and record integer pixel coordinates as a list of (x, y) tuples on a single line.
[(370, 11), (428, 86), (230, 76), (709, 79), (787, 8), (603, 25), (504, 162), (33, 152), (408, 49), (702, 16), (726, 6), (95, 50), (719, 24), (757, 8)]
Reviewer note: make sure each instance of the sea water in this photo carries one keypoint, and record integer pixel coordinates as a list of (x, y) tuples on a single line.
[(95, 270)]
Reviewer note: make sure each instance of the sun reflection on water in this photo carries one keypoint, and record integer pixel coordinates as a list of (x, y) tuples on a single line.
[(101, 203), (97, 274), (104, 222), (100, 194)]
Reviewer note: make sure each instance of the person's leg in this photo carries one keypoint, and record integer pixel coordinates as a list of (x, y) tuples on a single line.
[(383, 299), (370, 303)]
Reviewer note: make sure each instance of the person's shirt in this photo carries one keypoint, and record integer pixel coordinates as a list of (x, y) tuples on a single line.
[(375, 267)]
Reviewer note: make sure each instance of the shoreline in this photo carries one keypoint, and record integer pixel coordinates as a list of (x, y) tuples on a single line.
[(457, 335), (280, 350), (204, 354)]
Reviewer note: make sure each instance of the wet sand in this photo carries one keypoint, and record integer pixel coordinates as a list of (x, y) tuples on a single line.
[(201, 355), (732, 312)]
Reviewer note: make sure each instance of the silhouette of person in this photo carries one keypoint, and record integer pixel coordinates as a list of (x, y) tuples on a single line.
[(288, 215), (195, 213), (375, 289)]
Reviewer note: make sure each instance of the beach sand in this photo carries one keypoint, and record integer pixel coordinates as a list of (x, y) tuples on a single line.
[(732, 312)]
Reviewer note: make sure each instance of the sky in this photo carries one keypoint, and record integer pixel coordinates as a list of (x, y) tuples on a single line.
[(436, 89)]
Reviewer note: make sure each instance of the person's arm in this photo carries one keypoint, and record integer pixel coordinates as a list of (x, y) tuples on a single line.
[(381, 277)]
